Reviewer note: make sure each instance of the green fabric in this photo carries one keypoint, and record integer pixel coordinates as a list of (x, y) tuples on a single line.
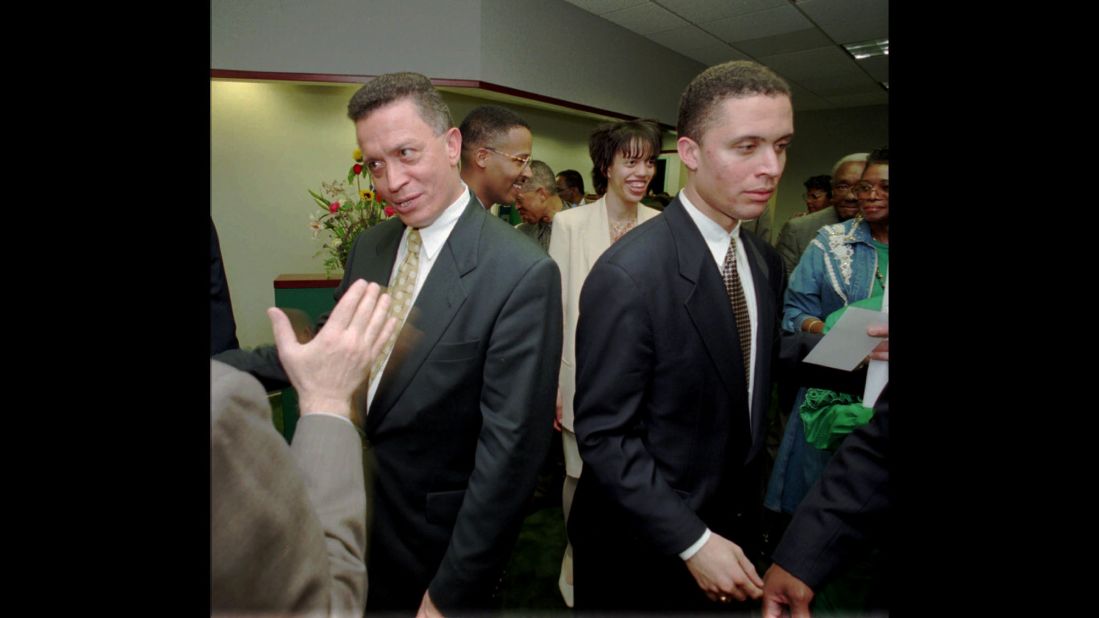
[(829, 416), (883, 267)]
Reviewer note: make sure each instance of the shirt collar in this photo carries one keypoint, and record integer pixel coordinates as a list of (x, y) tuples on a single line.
[(433, 236), (711, 231)]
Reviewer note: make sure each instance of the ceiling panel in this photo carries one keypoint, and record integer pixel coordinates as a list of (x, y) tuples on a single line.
[(849, 21), (687, 38), (646, 19), (784, 43), (769, 22), (877, 67), (703, 11), (805, 100), (716, 55), (858, 100), (799, 39), (599, 7)]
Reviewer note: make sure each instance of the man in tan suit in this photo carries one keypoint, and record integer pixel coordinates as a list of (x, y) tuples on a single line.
[(287, 524)]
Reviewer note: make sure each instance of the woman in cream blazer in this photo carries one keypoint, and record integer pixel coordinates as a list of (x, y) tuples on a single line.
[(623, 162)]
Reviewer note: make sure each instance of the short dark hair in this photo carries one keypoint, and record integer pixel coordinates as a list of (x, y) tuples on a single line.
[(485, 124), (633, 138), (824, 181), (733, 79), (393, 87), (573, 179), (878, 157)]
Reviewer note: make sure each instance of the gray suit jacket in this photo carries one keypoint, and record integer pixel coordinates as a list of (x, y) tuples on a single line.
[(287, 523), (799, 232), (463, 414)]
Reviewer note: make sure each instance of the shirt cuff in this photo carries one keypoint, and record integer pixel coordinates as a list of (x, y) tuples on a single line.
[(686, 554), (342, 418)]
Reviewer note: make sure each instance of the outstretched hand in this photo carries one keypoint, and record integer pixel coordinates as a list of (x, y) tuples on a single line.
[(327, 370)]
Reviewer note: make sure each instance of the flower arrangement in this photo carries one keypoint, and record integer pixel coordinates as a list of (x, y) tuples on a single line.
[(345, 214)]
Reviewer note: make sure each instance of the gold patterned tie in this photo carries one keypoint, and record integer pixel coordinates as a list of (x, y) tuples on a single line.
[(740, 307), (401, 293)]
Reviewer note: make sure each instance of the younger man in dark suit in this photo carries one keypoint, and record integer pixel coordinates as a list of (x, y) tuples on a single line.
[(678, 324)]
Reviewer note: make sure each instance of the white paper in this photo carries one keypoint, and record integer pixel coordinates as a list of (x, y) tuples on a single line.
[(877, 373), (847, 344)]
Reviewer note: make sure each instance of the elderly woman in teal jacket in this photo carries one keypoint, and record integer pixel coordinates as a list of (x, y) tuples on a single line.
[(845, 263)]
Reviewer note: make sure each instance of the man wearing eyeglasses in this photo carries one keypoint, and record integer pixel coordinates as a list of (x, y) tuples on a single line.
[(496, 154), (799, 232)]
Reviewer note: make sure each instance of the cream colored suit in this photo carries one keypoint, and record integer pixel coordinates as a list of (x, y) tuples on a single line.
[(580, 236)]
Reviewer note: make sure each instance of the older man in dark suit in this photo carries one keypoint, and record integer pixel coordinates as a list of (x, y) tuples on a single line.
[(461, 401), (678, 326)]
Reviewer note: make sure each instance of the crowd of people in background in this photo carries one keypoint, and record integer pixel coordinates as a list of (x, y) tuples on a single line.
[(502, 304)]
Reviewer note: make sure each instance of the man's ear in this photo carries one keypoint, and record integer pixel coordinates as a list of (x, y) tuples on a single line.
[(453, 140), (688, 152)]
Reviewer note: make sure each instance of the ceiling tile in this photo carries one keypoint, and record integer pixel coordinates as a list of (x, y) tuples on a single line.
[(849, 21), (877, 67), (717, 54), (784, 43), (686, 38), (703, 11), (769, 22), (599, 7), (858, 100), (645, 19), (805, 100)]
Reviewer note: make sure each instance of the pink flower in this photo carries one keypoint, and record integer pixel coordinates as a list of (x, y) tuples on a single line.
[(389, 212), (334, 207)]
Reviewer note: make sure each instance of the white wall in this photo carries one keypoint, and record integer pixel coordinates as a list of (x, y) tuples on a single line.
[(436, 38), (557, 49), (548, 47)]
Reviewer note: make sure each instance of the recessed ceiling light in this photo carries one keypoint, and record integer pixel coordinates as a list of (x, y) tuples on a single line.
[(868, 49)]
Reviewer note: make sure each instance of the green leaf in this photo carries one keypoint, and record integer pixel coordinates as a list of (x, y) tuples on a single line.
[(350, 174)]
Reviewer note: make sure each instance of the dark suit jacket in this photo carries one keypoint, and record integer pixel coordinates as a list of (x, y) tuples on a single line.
[(845, 507), (463, 415), (223, 328), (661, 412), (287, 523)]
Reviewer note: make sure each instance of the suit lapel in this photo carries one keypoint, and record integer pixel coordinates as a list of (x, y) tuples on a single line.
[(596, 233), (707, 303), (438, 302), (765, 332)]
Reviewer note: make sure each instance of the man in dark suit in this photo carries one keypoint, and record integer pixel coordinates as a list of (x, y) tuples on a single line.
[(461, 410), (679, 321)]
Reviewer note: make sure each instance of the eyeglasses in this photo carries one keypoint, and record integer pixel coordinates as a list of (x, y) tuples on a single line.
[(523, 160), (864, 188), (842, 188)]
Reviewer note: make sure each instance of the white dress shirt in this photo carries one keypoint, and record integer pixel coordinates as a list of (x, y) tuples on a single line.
[(432, 239)]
